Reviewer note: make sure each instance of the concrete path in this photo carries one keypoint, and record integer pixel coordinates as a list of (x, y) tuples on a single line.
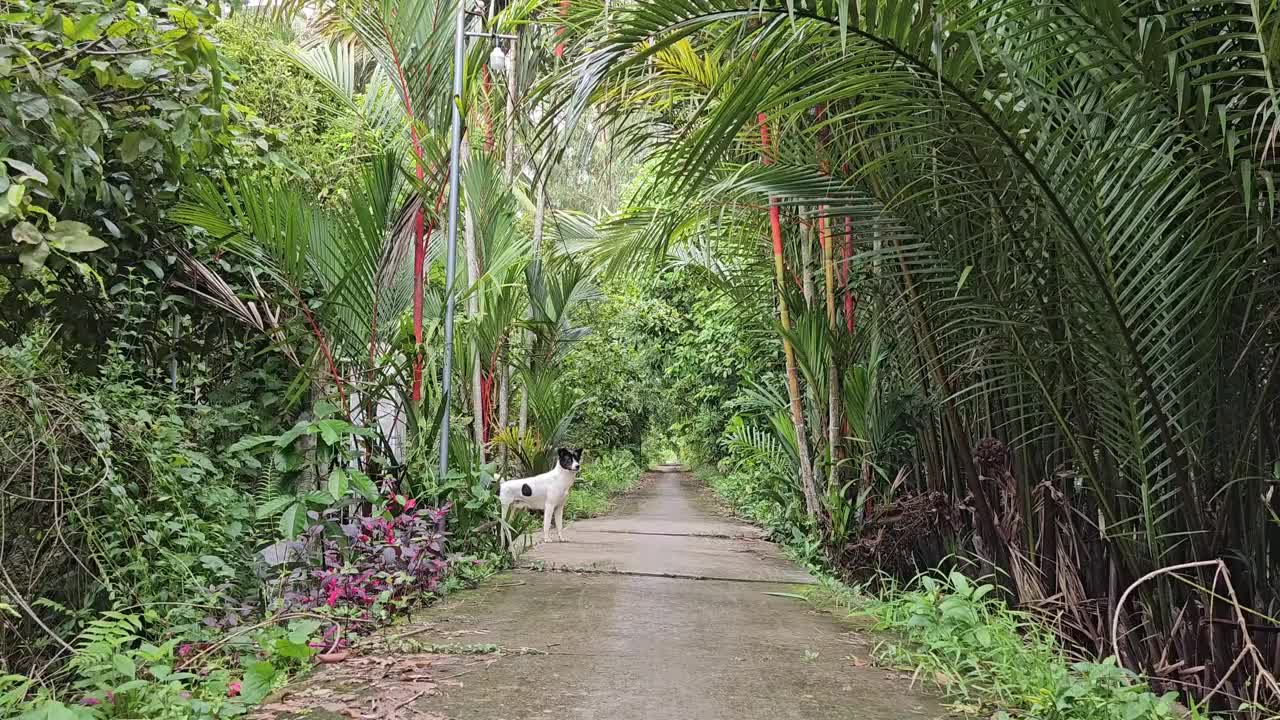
[(668, 616)]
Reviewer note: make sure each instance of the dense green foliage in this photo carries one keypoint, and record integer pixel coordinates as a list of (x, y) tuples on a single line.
[(210, 298), (1015, 263), (106, 108), (319, 147), (617, 370)]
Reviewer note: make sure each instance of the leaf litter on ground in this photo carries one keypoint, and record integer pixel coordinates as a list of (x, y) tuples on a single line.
[(372, 687)]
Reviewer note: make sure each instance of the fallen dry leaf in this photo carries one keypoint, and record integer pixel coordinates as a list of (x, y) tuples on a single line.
[(379, 687)]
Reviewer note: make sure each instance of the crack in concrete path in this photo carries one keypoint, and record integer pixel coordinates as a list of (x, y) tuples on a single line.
[(668, 576), (722, 536)]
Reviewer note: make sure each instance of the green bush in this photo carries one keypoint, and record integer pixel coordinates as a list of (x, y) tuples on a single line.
[(97, 145), (1001, 663), (603, 477), (325, 146), (146, 512)]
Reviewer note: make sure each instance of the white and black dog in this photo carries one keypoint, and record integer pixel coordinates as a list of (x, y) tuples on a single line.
[(546, 492)]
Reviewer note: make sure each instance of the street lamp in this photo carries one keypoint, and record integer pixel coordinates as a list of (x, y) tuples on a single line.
[(498, 60)]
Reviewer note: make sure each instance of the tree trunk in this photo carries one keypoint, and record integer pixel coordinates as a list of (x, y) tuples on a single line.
[(817, 432), (504, 403), (509, 147), (793, 380), (509, 172), (473, 310), (539, 215), (806, 263), (833, 372), (850, 307)]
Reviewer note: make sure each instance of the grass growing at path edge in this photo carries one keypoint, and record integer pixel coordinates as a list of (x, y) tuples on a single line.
[(991, 660)]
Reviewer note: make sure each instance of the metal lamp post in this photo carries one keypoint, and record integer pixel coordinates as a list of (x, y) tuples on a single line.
[(498, 60)]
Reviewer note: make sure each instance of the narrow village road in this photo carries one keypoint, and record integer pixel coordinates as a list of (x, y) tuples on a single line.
[(660, 610)]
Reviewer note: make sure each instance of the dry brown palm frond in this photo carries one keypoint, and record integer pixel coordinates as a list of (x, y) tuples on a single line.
[(260, 315)]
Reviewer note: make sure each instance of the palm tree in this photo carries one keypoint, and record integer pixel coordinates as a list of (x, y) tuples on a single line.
[(343, 270), (1070, 206)]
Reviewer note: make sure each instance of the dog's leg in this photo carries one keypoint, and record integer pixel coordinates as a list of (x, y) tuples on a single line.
[(560, 520), (546, 523), (504, 527)]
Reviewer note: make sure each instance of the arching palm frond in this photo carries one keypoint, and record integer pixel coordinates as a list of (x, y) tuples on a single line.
[(1065, 211)]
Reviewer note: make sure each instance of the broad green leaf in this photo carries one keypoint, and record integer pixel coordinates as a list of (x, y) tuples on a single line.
[(26, 233), (286, 647), (363, 485), (31, 106), (338, 484), (294, 520), (73, 237), (27, 170), (316, 497), (32, 258), (124, 665), (121, 28), (300, 631), (274, 506), (82, 30), (324, 409), (140, 68), (250, 441), (135, 145), (286, 438), (334, 431), (258, 682)]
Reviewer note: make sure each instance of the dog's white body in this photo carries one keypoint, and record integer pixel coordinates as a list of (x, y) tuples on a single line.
[(547, 492)]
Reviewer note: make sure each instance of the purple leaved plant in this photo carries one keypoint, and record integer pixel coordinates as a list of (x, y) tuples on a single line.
[(376, 560), (372, 566)]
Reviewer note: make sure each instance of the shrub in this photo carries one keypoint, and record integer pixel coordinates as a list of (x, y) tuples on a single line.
[(993, 659), (121, 502), (377, 568), (95, 147), (326, 146)]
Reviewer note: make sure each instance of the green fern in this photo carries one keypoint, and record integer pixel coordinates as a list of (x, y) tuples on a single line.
[(101, 645), (751, 445), (266, 489)]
